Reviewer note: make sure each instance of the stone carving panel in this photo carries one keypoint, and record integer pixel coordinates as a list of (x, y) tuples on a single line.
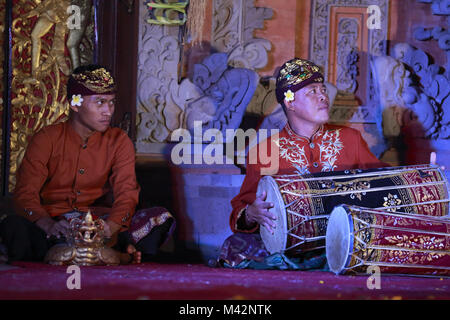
[(414, 95), (428, 98), (425, 92), (347, 56), (225, 94), (234, 22), (157, 70), (339, 57), (221, 86)]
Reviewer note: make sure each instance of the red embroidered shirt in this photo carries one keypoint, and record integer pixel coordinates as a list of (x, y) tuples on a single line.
[(331, 148), (59, 174)]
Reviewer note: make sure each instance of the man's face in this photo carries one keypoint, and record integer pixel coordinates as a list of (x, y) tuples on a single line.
[(311, 104), (96, 111)]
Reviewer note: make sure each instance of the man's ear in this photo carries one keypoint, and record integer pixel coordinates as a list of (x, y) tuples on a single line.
[(288, 105), (74, 108)]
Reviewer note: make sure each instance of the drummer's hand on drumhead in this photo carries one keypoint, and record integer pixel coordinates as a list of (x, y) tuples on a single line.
[(433, 160), (259, 212)]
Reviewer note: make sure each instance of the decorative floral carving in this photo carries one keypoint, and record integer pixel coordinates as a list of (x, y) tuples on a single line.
[(234, 22), (347, 56), (428, 99), (217, 95), (346, 64)]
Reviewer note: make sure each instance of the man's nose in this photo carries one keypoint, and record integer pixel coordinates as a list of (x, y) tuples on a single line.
[(323, 96), (107, 110)]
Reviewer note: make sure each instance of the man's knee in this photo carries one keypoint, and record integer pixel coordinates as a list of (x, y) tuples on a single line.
[(151, 242), (23, 240)]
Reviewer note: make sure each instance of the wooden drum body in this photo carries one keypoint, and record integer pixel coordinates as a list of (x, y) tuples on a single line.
[(359, 237), (303, 203)]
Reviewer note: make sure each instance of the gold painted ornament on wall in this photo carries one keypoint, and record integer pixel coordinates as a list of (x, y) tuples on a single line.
[(44, 52)]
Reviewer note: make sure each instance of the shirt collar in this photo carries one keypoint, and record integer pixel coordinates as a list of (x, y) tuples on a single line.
[(292, 133), (91, 139)]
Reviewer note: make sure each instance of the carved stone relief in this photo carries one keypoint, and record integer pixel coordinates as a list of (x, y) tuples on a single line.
[(226, 93), (427, 97), (424, 99), (234, 22), (80, 41), (414, 94), (347, 56), (435, 83), (221, 86), (321, 9), (157, 74)]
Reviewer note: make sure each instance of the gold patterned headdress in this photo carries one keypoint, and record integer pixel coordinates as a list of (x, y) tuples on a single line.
[(296, 74), (92, 80)]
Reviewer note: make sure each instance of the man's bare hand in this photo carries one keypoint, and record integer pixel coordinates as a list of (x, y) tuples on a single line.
[(110, 228), (259, 212), (53, 227)]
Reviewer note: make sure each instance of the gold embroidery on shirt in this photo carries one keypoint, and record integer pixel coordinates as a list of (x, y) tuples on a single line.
[(329, 149), (291, 151)]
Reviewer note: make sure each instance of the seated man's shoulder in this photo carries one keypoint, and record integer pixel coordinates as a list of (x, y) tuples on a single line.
[(117, 132), (117, 135), (51, 131)]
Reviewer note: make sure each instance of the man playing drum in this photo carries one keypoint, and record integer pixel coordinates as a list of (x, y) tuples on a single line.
[(307, 144)]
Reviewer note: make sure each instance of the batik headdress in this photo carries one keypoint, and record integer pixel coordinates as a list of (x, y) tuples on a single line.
[(90, 82), (294, 75)]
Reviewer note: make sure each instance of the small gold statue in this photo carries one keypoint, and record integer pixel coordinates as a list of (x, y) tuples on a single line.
[(85, 246)]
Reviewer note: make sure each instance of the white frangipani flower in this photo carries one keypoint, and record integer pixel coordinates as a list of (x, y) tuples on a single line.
[(289, 96), (76, 100)]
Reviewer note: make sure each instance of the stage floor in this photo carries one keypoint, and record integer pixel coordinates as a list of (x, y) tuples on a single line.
[(200, 282)]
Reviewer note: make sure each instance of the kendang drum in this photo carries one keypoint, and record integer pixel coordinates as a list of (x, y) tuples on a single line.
[(359, 237), (303, 203)]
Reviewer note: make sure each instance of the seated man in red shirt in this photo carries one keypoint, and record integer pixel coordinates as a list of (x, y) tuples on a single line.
[(307, 144), (70, 168)]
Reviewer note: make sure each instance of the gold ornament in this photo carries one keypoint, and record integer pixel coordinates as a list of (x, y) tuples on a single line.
[(99, 80), (85, 246)]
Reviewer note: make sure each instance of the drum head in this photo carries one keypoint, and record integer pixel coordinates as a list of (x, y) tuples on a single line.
[(338, 240), (274, 242)]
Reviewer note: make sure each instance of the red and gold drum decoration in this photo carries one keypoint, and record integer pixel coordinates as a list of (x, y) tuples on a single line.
[(303, 203), (397, 243)]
